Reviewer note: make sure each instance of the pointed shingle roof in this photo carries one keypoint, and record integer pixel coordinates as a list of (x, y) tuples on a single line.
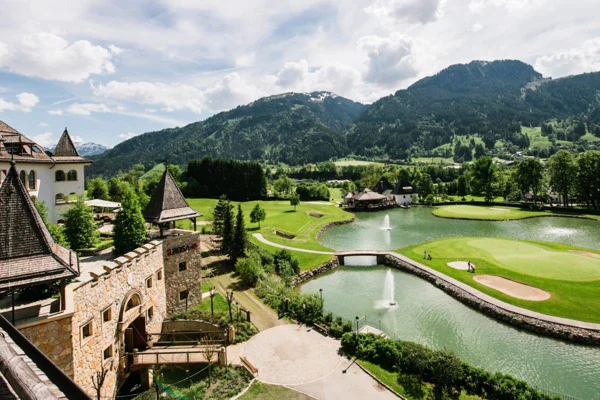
[(383, 185), (28, 254), (167, 203), (65, 146)]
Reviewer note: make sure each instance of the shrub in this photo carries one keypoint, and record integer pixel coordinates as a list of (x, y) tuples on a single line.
[(80, 229), (249, 268)]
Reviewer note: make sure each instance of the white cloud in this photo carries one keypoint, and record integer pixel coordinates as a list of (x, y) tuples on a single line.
[(114, 49), (55, 112), (297, 76), (43, 124), (45, 139), (167, 109), (245, 60), (477, 6), (477, 27), (128, 135), (49, 56), (87, 108), (172, 95), (26, 102), (150, 110), (390, 59), (421, 11), (570, 62), (77, 139)]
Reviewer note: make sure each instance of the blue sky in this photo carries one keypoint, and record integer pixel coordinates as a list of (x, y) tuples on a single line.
[(109, 70)]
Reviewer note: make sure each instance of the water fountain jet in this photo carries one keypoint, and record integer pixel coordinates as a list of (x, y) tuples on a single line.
[(386, 223)]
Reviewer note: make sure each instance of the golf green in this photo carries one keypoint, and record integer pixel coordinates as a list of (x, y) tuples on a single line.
[(571, 275), (494, 213)]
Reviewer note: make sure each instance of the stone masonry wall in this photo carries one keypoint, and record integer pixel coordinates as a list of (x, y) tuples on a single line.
[(53, 338), (184, 248), (122, 279)]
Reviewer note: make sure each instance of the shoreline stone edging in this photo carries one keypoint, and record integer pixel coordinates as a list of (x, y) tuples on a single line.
[(307, 275), (529, 323), (332, 224)]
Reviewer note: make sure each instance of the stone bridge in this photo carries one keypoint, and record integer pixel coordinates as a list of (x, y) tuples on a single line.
[(380, 254)]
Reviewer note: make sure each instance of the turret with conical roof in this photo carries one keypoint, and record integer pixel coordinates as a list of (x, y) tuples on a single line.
[(65, 146), (167, 203), (28, 253)]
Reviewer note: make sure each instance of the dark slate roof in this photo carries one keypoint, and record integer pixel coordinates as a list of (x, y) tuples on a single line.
[(65, 146), (383, 185), (167, 203), (402, 189), (28, 254)]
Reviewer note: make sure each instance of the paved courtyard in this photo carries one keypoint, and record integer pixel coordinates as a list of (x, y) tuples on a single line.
[(302, 359)]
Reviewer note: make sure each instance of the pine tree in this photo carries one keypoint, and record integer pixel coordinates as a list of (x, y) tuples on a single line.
[(219, 214), (240, 240), (227, 230), (80, 229), (129, 228)]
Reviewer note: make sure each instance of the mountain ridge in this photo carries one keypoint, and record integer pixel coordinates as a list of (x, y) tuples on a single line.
[(490, 98)]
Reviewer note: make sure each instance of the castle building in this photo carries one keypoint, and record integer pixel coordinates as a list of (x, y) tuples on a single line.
[(112, 308), (56, 178)]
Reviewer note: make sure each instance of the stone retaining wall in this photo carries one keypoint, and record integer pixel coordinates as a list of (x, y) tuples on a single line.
[(535, 325), (306, 275), (331, 224)]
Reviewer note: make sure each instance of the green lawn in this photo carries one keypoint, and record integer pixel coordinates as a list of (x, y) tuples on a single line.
[(220, 304), (409, 388), (497, 213), (262, 391), (432, 160), (307, 260), (346, 163), (571, 275), (282, 217)]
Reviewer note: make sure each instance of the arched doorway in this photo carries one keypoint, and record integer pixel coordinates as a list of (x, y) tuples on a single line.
[(133, 322)]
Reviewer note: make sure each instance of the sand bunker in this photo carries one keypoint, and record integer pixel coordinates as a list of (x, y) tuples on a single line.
[(512, 288), (499, 209), (462, 265), (585, 253)]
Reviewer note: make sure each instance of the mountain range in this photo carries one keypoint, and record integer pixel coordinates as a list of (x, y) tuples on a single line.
[(87, 149), (493, 99)]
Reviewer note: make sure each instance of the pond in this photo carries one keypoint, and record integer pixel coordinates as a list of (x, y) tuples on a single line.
[(418, 225), (427, 315)]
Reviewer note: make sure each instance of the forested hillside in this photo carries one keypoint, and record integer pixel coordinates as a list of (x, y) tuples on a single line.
[(491, 99), (293, 128)]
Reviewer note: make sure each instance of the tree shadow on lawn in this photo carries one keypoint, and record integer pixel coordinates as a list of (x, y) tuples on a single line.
[(289, 211), (413, 386)]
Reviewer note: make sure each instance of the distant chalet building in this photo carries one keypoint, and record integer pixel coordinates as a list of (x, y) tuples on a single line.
[(55, 178), (384, 187), (367, 200), (403, 195)]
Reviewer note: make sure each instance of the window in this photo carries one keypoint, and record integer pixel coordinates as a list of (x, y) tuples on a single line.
[(72, 175), (87, 330), (23, 177), (107, 314), (36, 149), (134, 301), (107, 353), (32, 180), (60, 199), (182, 266), (150, 313), (59, 175), (183, 295), (159, 275), (149, 282)]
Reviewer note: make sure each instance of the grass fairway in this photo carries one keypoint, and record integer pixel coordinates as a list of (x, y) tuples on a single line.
[(263, 391), (570, 274), (282, 217), (494, 213)]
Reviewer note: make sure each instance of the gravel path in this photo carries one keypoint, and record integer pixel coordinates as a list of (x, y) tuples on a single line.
[(281, 246)]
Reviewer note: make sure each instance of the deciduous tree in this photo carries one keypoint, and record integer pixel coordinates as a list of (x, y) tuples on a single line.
[(258, 214), (80, 229)]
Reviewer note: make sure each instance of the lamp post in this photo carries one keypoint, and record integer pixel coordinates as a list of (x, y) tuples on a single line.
[(238, 310), (321, 294)]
